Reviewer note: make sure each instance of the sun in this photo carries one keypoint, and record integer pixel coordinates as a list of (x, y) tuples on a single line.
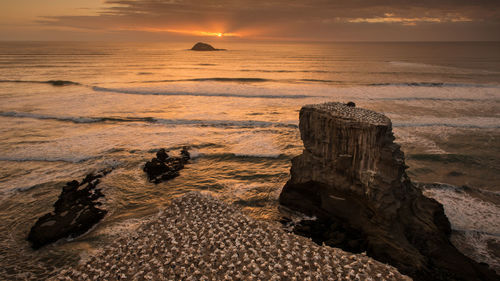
[(219, 34)]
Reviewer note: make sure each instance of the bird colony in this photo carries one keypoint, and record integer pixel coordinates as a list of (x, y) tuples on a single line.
[(341, 110), (199, 237)]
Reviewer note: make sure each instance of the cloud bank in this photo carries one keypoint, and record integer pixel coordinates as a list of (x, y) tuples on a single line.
[(295, 20)]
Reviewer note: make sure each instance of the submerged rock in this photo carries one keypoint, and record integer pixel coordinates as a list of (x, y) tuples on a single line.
[(204, 47), (164, 167), (61, 83), (75, 212), (351, 176)]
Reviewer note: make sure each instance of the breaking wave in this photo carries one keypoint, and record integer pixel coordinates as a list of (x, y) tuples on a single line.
[(187, 122), (68, 159), (450, 125), (435, 84), (51, 82), (243, 155), (475, 220), (194, 93)]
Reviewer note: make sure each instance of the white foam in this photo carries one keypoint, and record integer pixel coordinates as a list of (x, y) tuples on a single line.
[(421, 66), (411, 64), (467, 213), (253, 144), (475, 245), (408, 139), (194, 153), (397, 91), (180, 89), (456, 122), (226, 123), (476, 220), (49, 117), (237, 189)]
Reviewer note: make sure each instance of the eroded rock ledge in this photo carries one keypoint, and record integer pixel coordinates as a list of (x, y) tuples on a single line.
[(75, 212), (164, 167), (351, 175)]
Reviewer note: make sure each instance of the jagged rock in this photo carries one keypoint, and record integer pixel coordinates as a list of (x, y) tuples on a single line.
[(351, 176), (164, 167), (75, 212), (162, 155), (204, 47), (185, 155)]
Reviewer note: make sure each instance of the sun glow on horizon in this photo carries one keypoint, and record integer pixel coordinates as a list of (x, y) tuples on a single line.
[(193, 32)]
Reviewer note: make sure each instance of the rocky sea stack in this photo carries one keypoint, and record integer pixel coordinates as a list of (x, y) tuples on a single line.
[(164, 167), (75, 212), (204, 47), (351, 176)]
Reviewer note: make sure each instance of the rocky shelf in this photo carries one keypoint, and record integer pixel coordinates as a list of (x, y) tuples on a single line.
[(351, 176), (164, 167), (75, 212)]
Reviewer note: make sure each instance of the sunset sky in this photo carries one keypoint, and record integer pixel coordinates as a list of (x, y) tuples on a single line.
[(317, 20)]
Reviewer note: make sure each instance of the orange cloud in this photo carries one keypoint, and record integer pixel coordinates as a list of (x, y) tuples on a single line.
[(194, 32), (390, 18)]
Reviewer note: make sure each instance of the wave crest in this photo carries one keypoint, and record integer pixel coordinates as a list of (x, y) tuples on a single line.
[(51, 82), (127, 119), (193, 93)]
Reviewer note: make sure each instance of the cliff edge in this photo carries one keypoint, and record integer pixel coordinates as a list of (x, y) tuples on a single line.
[(351, 176)]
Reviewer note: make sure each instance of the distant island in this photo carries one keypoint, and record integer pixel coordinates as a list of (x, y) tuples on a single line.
[(200, 46)]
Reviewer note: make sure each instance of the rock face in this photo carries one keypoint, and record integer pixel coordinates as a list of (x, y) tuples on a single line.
[(75, 212), (204, 47), (352, 177), (164, 167)]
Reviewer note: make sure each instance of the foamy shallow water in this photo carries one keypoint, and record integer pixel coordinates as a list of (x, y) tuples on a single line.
[(478, 238)]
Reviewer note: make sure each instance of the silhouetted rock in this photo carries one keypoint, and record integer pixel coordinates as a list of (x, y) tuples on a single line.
[(164, 167), (204, 47), (75, 212), (351, 104), (351, 176), (61, 83), (162, 155), (185, 153)]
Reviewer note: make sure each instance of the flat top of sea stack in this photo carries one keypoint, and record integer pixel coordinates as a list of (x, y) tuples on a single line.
[(201, 238), (343, 111)]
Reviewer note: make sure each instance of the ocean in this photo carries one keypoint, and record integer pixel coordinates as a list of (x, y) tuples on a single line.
[(238, 111)]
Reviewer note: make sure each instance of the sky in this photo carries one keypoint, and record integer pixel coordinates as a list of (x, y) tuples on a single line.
[(276, 20)]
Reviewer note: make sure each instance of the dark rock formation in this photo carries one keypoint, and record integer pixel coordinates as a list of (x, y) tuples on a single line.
[(75, 212), (204, 47), (351, 104), (352, 177), (61, 83), (164, 167)]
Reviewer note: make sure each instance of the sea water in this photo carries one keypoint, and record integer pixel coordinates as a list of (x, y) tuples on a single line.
[(238, 111)]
